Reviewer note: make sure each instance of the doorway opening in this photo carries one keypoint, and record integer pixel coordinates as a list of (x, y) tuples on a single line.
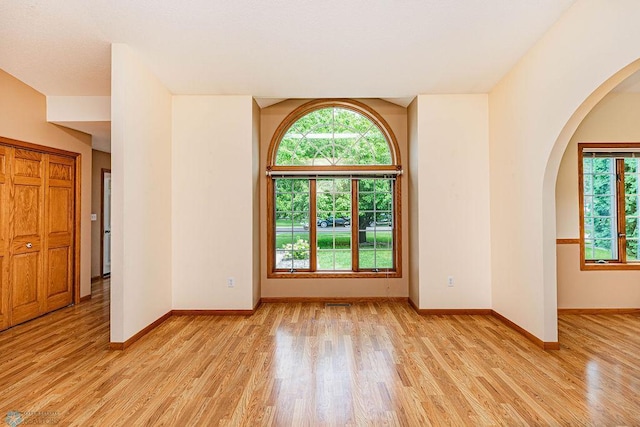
[(105, 246)]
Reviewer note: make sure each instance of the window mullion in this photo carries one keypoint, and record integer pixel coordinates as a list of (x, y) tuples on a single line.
[(622, 220), (355, 226), (313, 247)]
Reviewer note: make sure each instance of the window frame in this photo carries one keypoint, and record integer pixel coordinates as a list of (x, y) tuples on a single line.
[(621, 263), (318, 172)]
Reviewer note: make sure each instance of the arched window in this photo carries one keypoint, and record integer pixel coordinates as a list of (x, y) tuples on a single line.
[(333, 193)]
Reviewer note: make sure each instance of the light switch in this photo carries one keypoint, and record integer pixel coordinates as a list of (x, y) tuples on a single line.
[(94, 217)]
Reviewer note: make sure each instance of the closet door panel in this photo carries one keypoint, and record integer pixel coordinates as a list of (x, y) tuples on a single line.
[(25, 283), (59, 232), (26, 231), (4, 240)]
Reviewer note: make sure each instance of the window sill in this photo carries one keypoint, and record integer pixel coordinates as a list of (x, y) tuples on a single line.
[(334, 275), (609, 266)]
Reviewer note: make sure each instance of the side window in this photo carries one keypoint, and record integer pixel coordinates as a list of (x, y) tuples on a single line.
[(609, 198)]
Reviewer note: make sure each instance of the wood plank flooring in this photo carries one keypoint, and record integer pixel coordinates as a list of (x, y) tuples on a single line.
[(306, 364)]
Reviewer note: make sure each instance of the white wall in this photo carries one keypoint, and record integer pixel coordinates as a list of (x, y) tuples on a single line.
[(413, 182), (449, 166), (213, 202), (533, 112), (141, 196), (255, 159), (78, 108)]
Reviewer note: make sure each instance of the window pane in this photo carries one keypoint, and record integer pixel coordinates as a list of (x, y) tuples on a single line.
[(334, 260), (604, 249), (631, 205), (375, 224), (631, 166), (384, 259), (632, 250), (632, 216), (588, 184), (291, 235), (283, 202), (367, 259), (600, 222), (333, 136), (603, 205), (589, 249), (283, 185), (383, 239), (333, 201)]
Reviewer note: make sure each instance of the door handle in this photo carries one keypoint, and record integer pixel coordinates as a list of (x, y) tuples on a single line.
[(29, 245), (107, 231)]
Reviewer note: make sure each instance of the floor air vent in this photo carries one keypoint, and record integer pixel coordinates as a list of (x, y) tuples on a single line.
[(337, 304)]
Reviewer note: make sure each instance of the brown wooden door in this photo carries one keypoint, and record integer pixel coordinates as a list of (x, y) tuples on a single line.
[(4, 239), (26, 230), (59, 196)]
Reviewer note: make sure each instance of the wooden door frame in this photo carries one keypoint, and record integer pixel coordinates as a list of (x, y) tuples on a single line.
[(103, 171), (77, 200)]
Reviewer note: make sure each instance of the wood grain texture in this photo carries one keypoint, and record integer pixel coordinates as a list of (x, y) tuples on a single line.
[(453, 311), (599, 311), (567, 241), (39, 268), (374, 363), (484, 312), (212, 312), (140, 334)]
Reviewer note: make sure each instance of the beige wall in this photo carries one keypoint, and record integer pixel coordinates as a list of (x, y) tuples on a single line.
[(23, 117), (533, 111), (141, 196), (450, 201), (270, 118), (615, 119), (101, 160), (213, 202)]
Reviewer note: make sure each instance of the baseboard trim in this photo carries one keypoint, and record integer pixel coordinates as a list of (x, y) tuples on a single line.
[(454, 311), (545, 345), (143, 332), (599, 311), (95, 279), (266, 300), (212, 312), (85, 298)]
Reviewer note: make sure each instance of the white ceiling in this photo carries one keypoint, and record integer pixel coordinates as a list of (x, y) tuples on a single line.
[(275, 49)]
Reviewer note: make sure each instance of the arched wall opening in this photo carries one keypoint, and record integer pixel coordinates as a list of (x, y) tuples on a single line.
[(566, 266)]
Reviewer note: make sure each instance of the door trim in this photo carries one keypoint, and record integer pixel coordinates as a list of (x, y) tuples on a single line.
[(77, 196), (103, 171)]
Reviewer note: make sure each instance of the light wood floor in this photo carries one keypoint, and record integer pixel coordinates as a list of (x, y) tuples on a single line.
[(307, 364)]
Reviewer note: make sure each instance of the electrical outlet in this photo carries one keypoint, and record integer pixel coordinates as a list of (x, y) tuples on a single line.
[(450, 281), (231, 282)]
